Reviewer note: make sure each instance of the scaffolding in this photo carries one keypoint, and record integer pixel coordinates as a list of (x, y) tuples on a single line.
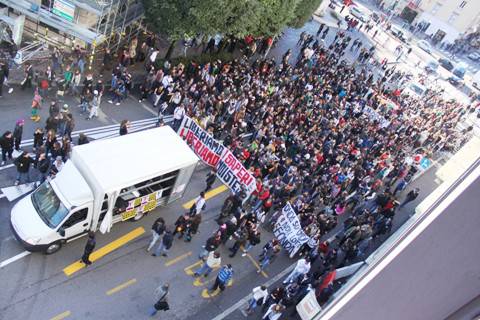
[(119, 21)]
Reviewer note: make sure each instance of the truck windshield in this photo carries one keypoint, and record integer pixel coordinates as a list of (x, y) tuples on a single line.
[(48, 205)]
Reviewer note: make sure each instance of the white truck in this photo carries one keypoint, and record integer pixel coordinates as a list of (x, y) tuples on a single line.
[(104, 182)]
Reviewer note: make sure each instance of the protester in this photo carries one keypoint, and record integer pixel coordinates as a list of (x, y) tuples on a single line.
[(90, 245), (23, 163), (213, 261), (165, 245), (18, 132), (259, 296), (223, 277), (158, 228), (6, 143), (161, 298)]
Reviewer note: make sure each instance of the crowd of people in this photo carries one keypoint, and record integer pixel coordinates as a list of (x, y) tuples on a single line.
[(315, 131)]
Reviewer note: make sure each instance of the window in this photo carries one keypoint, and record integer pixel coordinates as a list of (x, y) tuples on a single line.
[(462, 4), (435, 8), (453, 17), (48, 205), (75, 218)]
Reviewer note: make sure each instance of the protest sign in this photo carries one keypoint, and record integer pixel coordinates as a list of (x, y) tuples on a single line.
[(308, 307), (288, 230), (229, 169)]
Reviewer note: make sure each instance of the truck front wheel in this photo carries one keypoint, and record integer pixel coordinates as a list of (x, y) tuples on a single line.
[(53, 247)]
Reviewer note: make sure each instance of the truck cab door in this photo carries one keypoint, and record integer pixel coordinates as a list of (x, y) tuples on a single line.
[(77, 223)]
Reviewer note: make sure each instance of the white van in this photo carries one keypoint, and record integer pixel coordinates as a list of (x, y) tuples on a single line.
[(104, 182)]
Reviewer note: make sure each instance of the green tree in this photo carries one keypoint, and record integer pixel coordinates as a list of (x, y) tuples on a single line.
[(303, 12), (274, 15), (237, 18), (171, 18)]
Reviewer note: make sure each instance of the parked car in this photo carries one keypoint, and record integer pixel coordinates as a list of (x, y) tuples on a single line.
[(415, 89), (432, 66), (445, 63), (455, 81), (399, 33), (425, 46), (459, 72), (475, 56), (359, 14), (375, 17)]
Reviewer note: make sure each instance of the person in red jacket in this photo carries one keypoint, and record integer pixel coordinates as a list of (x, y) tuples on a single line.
[(263, 196)]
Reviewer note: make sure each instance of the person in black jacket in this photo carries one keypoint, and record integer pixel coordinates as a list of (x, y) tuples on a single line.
[(211, 176), (91, 242), (6, 143), (38, 137), (158, 228), (23, 163), (43, 166), (17, 133), (253, 240), (82, 139), (211, 244), (166, 244)]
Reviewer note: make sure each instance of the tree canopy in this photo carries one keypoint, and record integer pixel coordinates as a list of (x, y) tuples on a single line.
[(303, 12), (178, 18)]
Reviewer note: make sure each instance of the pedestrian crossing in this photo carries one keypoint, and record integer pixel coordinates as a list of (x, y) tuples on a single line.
[(99, 133)]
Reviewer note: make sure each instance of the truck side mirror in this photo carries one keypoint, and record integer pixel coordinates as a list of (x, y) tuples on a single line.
[(61, 231)]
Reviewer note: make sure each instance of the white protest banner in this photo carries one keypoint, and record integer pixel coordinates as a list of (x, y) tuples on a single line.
[(308, 307), (229, 169), (374, 115), (289, 231)]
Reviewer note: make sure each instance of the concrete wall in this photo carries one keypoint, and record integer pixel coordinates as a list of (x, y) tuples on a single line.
[(431, 273)]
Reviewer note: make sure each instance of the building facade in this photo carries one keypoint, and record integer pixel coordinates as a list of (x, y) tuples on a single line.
[(449, 20), (66, 23)]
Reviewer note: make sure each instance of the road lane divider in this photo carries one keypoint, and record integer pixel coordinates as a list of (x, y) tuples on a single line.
[(189, 270), (121, 287), (177, 259), (61, 316), (19, 256), (210, 194), (255, 263), (112, 246), (207, 294)]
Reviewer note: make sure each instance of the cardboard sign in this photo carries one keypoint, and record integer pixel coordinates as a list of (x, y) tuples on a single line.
[(289, 231), (229, 169), (308, 307)]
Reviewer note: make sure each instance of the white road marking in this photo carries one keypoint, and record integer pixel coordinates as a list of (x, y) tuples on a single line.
[(13, 259), (104, 132), (244, 300)]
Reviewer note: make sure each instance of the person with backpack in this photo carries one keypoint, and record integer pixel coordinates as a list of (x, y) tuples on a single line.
[(211, 245), (158, 228), (166, 244), (198, 205), (161, 295)]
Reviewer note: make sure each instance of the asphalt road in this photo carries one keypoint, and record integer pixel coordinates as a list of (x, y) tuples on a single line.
[(35, 286)]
